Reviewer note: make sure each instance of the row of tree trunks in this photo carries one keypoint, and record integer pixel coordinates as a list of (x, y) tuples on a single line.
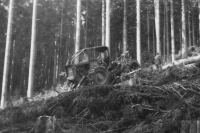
[(166, 46), (78, 27)]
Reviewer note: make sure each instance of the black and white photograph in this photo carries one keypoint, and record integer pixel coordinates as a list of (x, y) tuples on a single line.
[(99, 66)]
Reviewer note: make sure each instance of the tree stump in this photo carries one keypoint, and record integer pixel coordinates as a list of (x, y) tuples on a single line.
[(190, 126), (44, 124)]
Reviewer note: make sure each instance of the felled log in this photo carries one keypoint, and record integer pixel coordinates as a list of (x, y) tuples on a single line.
[(186, 61)]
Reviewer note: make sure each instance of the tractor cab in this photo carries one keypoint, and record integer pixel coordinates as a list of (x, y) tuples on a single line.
[(89, 55), (84, 62)]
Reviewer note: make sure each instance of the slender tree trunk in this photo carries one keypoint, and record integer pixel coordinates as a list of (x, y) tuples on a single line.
[(184, 45), (48, 70), (44, 68), (45, 71), (7, 55), (22, 77), (103, 23), (60, 45), (21, 91), (108, 25), (37, 75), (180, 30), (172, 31), (78, 26), (193, 35), (12, 68), (119, 49), (116, 49), (55, 64), (167, 31), (189, 30), (199, 21), (1, 65), (33, 52), (49, 81), (51, 64), (138, 33), (164, 31), (154, 46), (157, 23), (68, 42), (148, 41), (86, 27), (74, 35), (125, 27), (26, 73), (198, 126)]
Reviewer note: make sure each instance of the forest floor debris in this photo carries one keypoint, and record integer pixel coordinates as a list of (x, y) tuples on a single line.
[(172, 96)]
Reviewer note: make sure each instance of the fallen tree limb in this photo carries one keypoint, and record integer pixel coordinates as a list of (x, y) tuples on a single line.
[(185, 62)]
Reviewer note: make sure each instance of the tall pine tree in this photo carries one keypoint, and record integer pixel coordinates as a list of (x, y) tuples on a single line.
[(7, 55), (33, 51)]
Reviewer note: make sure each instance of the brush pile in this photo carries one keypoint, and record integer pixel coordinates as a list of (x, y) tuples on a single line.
[(160, 107)]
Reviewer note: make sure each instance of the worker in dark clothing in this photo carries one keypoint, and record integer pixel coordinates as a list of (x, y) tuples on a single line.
[(158, 61)]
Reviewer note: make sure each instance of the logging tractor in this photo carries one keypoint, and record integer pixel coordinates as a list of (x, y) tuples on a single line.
[(91, 66)]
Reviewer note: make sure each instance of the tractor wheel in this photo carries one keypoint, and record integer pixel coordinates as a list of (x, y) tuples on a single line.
[(100, 76)]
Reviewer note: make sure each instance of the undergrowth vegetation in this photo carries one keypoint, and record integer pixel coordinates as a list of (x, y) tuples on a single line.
[(160, 106)]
